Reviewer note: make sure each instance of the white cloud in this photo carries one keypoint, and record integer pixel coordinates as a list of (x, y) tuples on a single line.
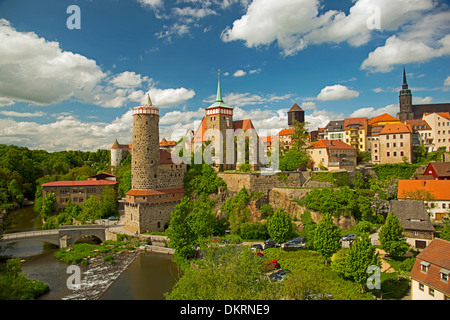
[(180, 117), (239, 73), (30, 65), (371, 112), (151, 3), (320, 118), (308, 105), (197, 13), (128, 79), (336, 92), (163, 98), (447, 81), (22, 114), (295, 24), (420, 100)]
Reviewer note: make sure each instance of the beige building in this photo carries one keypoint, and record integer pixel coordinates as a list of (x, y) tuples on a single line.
[(394, 144), (356, 133), (332, 154), (431, 271), (440, 129)]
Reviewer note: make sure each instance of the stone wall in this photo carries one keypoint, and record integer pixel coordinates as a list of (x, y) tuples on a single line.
[(257, 182), (171, 176)]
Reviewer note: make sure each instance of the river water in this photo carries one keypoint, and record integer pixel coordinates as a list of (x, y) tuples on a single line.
[(148, 277)]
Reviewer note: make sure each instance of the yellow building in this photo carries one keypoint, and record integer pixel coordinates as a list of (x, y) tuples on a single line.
[(356, 133)]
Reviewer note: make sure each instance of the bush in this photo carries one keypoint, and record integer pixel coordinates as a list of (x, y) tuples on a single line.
[(254, 231), (108, 258)]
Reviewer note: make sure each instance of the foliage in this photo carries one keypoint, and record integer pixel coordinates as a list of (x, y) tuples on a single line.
[(15, 286), (327, 236), (309, 227), (339, 201), (254, 231), (236, 210), (229, 272), (245, 167), (202, 179), (293, 159), (395, 170), (77, 252), (445, 234), (339, 178), (280, 227), (391, 236), (266, 209)]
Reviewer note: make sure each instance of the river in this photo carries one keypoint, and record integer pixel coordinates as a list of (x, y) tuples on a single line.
[(148, 276)]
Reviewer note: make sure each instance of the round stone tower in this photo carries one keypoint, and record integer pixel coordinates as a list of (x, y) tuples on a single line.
[(145, 157)]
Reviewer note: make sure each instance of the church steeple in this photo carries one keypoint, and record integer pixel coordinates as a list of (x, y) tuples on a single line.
[(219, 90), (405, 101), (405, 84)]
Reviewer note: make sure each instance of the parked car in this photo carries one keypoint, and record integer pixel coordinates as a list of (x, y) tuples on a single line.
[(257, 247), (113, 218), (348, 237), (269, 243), (279, 275), (295, 243)]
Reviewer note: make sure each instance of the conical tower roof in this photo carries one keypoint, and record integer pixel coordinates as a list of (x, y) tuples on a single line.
[(219, 101), (115, 145)]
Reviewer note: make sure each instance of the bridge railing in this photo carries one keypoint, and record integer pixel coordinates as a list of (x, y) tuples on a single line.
[(10, 236)]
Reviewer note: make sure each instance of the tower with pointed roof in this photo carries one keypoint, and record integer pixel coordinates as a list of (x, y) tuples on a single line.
[(405, 101), (219, 118), (295, 114)]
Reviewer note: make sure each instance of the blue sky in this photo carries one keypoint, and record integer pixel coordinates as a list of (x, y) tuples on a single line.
[(66, 89)]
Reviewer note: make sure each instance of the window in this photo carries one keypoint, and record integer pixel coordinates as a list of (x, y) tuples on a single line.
[(387, 137), (424, 266), (387, 145), (444, 275), (394, 136), (443, 206), (388, 154), (402, 153), (395, 145), (395, 153), (421, 287), (401, 144), (431, 292), (401, 136)]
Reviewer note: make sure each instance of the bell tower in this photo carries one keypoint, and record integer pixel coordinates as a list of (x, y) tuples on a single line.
[(405, 101)]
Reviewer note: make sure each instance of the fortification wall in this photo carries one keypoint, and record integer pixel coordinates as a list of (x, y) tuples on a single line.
[(257, 182)]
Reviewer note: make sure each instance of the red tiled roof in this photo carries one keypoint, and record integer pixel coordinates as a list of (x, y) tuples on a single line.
[(200, 133), (286, 132), (442, 114), (361, 121), (78, 183), (437, 254), (243, 124), (295, 107), (151, 192), (392, 128), (440, 189), (330, 144)]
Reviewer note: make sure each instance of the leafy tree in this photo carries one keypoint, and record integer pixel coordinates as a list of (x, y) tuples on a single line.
[(236, 209), (202, 219), (280, 227), (299, 135), (361, 255), (108, 202), (293, 159), (326, 237), (48, 205), (445, 234), (391, 236)]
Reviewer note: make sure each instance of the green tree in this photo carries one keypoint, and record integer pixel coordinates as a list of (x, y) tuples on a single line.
[(299, 135), (280, 227), (48, 205), (391, 236), (293, 159), (201, 218), (108, 202), (326, 237), (361, 255)]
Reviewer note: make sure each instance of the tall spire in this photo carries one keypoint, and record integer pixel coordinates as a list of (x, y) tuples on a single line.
[(405, 84), (219, 90)]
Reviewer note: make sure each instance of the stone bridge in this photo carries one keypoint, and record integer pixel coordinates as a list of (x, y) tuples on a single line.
[(62, 237)]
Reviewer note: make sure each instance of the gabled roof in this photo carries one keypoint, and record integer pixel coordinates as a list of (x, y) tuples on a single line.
[(418, 124), (412, 214), (243, 124), (436, 254), (393, 128), (362, 122), (383, 118), (286, 132), (439, 189), (442, 169), (330, 144)]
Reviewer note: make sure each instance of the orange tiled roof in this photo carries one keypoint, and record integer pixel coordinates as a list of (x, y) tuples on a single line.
[(392, 128), (286, 132), (440, 189), (200, 133), (382, 118), (437, 254), (295, 107), (361, 121), (151, 192), (442, 114), (78, 183), (243, 124), (330, 144)]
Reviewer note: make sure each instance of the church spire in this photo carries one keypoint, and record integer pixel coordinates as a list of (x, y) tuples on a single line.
[(405, 84), (219, 90)]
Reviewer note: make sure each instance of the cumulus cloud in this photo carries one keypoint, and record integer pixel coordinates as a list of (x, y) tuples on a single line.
[(295, 24), (22, 114), (320, 118), (30, 65), (164, 98), (239, 73), (128, 79), (336, 92), (308, 105), (371, 112), (420, 100), (447, 81)]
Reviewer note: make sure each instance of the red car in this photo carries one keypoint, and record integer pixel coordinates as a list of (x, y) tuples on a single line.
[(271, 265)]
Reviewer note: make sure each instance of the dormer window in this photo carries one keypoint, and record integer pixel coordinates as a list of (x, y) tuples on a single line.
[(424, 266), (444, 275)]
